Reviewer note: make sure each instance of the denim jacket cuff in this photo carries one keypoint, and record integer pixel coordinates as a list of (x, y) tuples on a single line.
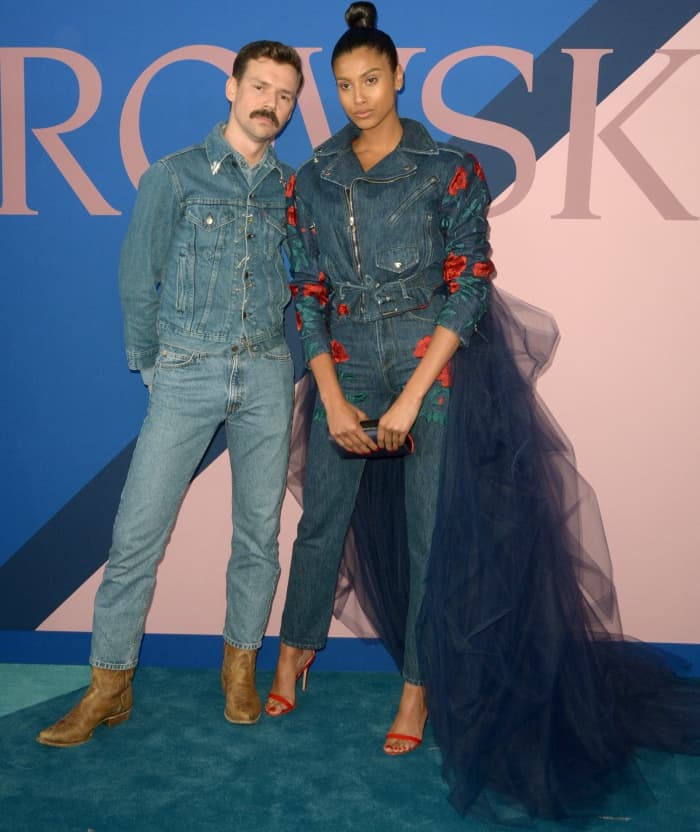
[(142, 359), (463, 330), (312, 348)]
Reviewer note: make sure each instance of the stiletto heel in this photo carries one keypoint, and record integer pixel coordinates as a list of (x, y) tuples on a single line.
[(305, 673), (288, 706)]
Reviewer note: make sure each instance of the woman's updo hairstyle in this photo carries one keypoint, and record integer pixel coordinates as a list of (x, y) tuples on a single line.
[(362, 20)]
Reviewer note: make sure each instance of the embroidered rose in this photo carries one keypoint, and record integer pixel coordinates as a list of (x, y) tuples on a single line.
[(289, 190), (452, 286), (484, 268), (422, 347), (459, 181), (453, 266), (445, 377), (478, 169), (338, 352), (292, 215), (315, 290), (343, 309)]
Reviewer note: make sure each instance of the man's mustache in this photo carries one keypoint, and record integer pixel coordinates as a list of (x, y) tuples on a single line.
[(266, 114)]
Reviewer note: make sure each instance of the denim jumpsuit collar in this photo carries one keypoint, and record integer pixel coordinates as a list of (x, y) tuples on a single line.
[(342, 166)]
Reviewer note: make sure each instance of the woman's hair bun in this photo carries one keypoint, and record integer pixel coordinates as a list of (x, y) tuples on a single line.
[(361, 16)]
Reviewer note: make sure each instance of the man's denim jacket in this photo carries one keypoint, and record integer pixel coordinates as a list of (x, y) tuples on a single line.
[(201, 267), (366, 245)]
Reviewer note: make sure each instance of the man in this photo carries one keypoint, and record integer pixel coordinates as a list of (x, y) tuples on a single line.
[(203, 289)]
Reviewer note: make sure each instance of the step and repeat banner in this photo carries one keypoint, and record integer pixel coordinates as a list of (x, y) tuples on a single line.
[(584, 116)]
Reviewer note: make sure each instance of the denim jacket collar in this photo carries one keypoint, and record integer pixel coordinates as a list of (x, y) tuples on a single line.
[(341, 165), (218, 149)]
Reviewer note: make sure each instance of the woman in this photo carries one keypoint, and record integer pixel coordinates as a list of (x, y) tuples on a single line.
[(365, 257), (466, 555)]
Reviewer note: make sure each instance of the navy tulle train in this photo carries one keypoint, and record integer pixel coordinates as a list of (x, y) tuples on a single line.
[(537, 701)]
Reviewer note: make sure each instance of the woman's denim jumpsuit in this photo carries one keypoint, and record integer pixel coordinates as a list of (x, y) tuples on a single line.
[(379, 257)]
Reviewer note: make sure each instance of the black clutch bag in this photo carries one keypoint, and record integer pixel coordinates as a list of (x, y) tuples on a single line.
[(370, 428)]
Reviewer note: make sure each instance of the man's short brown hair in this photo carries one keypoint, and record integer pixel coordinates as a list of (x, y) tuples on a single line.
[(272, 49)]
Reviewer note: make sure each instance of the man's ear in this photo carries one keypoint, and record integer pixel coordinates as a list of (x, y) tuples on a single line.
[(231, 89)]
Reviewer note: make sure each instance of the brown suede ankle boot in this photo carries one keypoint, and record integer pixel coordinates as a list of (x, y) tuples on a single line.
[(238, 681), (108, 700)]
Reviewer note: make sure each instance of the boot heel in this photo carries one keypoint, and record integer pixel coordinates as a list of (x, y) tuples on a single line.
[(117, 719)]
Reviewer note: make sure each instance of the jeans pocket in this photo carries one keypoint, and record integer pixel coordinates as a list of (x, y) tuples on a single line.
[(278, 353), (172, 359)]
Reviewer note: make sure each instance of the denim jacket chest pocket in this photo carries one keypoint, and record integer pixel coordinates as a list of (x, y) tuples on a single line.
[(205, 246)]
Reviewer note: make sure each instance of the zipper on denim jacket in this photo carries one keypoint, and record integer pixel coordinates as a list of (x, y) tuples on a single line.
[(353, 226), (355, 244)]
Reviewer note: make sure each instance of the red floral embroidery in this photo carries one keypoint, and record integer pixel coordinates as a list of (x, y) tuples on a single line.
[(315, 290), (453, 286), (338, 352), (289, 190), (422, 346), (294, 289), (477, 169), (445, 377), (299, 321), (459, 181), (292, 215), (321, 277), (485, 268), (453, 266), (343, 309)]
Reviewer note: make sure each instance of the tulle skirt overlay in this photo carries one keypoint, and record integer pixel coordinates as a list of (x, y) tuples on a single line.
[(537, 701)]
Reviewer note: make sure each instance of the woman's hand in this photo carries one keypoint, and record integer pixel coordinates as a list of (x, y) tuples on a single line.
[(399, 418), (344, 426), (343, 418), (397, 422)]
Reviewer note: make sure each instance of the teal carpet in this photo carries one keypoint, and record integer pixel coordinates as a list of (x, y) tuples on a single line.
[(178, 765)]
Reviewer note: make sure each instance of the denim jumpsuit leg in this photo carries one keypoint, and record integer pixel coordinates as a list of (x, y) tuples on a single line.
[(380, 361)]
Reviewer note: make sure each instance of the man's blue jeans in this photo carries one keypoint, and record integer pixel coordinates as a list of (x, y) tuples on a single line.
[(376, 360), (250, 389)]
